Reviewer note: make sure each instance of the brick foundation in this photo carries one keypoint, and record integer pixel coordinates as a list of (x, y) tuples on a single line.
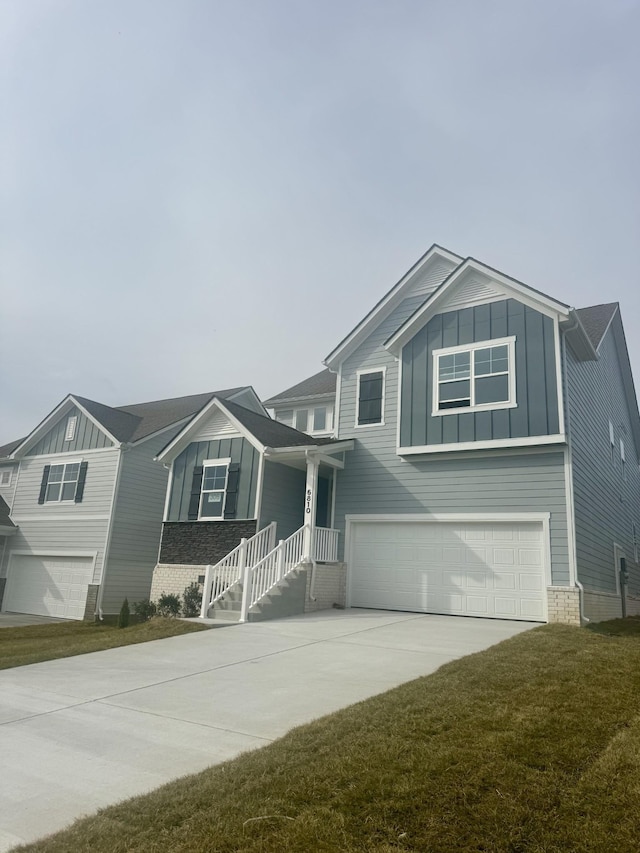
[(563, 604), (330, 587), (92, 600), (201, 542)]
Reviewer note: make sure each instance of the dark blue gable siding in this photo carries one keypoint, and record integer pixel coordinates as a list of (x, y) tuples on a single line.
[(536, 412)]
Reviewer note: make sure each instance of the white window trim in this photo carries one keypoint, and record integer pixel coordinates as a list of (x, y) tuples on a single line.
[(3, 473), (329, 423), (213, 462), (612, 443), (59, 500), (368, 372), (509, 342), (72, 423)]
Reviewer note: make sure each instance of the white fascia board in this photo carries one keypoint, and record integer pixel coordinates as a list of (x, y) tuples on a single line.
[(528, 441), (435, 517), (604, 334), (292, 402), (42, 427), (385, 306), (323, 449), (578, 338), (175, 447), (511, 287)]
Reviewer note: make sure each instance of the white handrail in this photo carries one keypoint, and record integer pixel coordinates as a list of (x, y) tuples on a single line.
[(326, 545), (229, 570), (273, 567)]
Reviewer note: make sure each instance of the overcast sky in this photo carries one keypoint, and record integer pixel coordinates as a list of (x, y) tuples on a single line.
[(199, 194)]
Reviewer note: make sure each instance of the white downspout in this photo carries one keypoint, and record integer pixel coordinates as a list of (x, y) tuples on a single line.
[(569, 462)]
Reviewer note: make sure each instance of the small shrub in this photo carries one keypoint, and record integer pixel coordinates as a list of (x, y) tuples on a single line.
[(191, 600), (144, 610), (123, 618), (169, 604)]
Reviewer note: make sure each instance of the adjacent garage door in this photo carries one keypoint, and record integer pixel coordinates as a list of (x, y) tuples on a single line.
[(470, 569), (48, 586)]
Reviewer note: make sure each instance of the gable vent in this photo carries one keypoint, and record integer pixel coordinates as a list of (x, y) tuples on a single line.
[(474, 291), (217, 426), (428, 281), (71, 428)]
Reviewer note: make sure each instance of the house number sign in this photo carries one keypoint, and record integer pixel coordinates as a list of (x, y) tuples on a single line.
[(308, 507)]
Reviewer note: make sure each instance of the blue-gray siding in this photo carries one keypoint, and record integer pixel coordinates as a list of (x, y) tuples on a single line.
[(282, 498), (87, 436), (377, 480), (238, 450), (606, 507), (536, 412), (137, 524)]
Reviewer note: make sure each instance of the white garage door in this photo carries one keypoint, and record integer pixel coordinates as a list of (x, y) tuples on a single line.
[(470, 569), (48, 586)]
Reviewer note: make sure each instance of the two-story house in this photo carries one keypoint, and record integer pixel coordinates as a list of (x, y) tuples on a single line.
[(485, 439), (86, 501)]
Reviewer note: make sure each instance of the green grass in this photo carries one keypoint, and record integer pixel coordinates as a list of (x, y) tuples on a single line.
[(533, 745), (36, 643)]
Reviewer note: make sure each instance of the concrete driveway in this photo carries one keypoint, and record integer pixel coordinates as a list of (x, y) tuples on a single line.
[(18, 620), (85, 732)]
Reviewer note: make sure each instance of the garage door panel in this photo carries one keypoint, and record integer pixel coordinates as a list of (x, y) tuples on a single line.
[(48, 585), (472, 569)]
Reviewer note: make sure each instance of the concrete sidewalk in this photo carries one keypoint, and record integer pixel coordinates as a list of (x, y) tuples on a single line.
[(81, 733)]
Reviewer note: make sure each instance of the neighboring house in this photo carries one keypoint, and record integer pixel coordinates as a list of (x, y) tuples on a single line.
[(87, 500), (308, 406), (494, 439)]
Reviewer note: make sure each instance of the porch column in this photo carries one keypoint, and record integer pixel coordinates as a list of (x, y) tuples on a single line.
[(310, 504)]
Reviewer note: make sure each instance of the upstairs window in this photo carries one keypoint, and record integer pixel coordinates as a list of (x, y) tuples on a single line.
[(214, 486), (5, 477), (474, 377), (63, 483), (71, 428), (370, 398)]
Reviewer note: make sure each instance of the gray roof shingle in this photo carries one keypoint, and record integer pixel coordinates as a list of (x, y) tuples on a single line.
[(320, 384), (272, 433), (6, 449), (5, 521), (596, 319)]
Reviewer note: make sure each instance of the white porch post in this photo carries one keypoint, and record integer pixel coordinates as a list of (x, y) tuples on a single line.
[(310, 503)]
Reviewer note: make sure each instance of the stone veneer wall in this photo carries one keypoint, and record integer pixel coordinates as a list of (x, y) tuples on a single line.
[(201, 542), (330, 587), (173, 579)]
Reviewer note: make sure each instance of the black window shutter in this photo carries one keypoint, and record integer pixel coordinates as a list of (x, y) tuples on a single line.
[(82, 477), (44, 483), (231, 502), (196, 488)]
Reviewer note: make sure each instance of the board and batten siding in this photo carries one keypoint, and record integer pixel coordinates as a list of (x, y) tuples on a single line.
[(282, 498), (376, 480), (606, 506), (87, 436), (60, 526), (536, 412), (239, 450), (137, 524)]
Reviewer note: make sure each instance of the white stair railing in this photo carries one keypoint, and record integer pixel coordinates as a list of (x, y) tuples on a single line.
[(228, 571), (273, 567), (326, 545)]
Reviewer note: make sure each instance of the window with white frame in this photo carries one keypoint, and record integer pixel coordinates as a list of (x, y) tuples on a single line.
[(71, 428), (623, 461), (370, 408), (318, 419), (5, 477), (62, 482), (474, 377), (214, 486)]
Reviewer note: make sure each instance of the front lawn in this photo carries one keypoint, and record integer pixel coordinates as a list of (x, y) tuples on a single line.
[(36, 643), (533, 745)]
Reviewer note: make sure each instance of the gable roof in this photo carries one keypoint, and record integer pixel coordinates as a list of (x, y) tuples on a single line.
[(7, 449), (134, 422), (388, 302), (322, 384), (596, 319)]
